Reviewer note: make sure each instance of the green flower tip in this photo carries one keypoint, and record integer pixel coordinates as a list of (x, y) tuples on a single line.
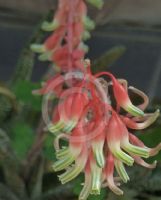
[(62, 126), (157, 113), (134, 110), (50, 26), (46, 56), (70, 174), (86, 189), (99, 155), (56, 128), (37, 48), (121, 171), (63, 163), (139, 151), (62, 153), (96, 180), (88, 23), (86, 35), (84, 47), (125, 158)]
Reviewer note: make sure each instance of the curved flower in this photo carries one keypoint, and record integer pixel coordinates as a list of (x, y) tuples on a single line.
[(121, 96), (69, 113), (99, 142), (103, 135), (109, 173), (86, 190), (146, 121)]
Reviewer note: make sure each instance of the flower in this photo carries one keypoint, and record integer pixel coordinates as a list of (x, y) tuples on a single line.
[(99, 143), (98, 136), (64, 47), (69, 113)]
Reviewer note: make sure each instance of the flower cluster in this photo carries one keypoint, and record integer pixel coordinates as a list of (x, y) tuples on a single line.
[(94, 120), (65, 47)]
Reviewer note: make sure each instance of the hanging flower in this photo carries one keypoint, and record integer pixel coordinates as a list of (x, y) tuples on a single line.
[(97, 132), (99, 140)]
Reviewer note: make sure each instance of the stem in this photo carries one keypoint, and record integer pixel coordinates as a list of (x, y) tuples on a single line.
[(70, 33), (105, 73), (35, 150)]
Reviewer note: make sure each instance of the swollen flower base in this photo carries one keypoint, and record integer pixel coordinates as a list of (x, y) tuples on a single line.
[(95, 128)]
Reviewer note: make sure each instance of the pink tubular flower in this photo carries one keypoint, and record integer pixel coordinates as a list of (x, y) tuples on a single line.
[(98, 136), (109, 174), (68, 112), (146, 121), (99, 142), (121, 96), (87, 184)]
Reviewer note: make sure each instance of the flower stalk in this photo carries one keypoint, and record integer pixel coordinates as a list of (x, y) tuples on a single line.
[(99, 141)]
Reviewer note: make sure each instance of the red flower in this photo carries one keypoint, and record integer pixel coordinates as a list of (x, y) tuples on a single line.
[(99, 142)]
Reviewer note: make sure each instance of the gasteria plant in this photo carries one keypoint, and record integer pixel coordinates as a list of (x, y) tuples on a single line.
[(96, 128)]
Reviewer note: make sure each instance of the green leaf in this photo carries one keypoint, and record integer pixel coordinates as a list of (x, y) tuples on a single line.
[(22, 138), (24, 66), (77, 185), (6, 193), (23, 91), (48, 149), (108, 58)]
